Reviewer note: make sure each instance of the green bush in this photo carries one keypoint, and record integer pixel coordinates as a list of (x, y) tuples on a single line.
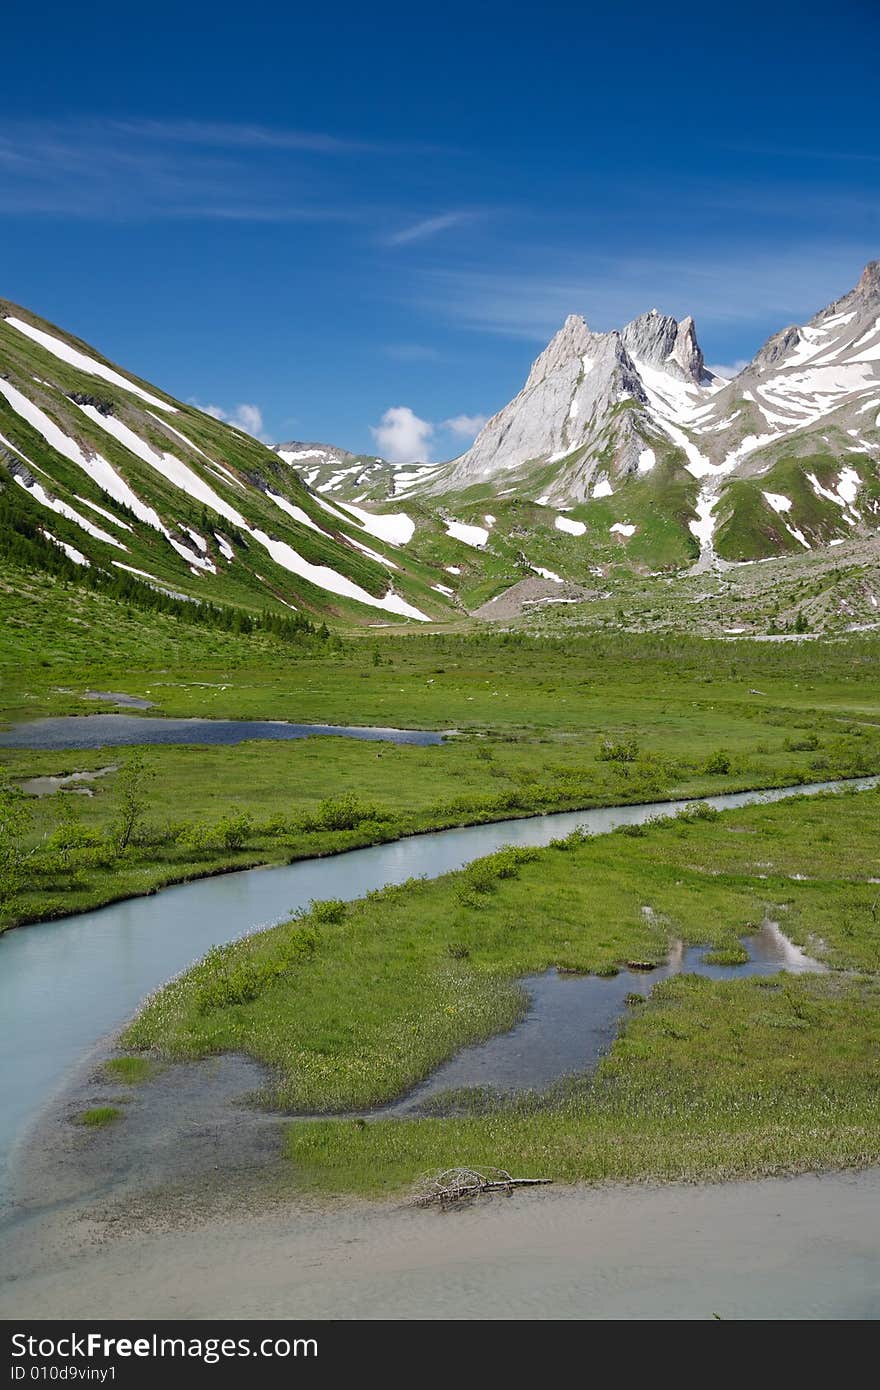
[(624, 751), (230, 832), (325, 910), (344, 812), (807, 744), (481, 877), (226, 977)]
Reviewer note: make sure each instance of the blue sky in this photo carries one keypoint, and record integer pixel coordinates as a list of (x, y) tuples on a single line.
[(308, 216)]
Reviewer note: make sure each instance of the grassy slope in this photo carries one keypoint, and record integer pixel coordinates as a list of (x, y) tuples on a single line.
[(252, 580), (709, 1079)]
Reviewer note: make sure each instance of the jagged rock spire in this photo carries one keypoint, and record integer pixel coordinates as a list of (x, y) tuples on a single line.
[(686, 351)]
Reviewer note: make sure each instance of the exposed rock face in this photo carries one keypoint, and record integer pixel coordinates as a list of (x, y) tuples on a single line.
[(777, 347), (570, 343), (651, 337), (687, 353), (868, 288), (585, 401)]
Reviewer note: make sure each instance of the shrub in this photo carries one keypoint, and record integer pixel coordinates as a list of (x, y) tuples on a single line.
[(325, 910), (717, 763), (239, 972), (624, 751), (807, 744), (229, 833), (697, 810), (344, 812), (233, 830), (481, 877)]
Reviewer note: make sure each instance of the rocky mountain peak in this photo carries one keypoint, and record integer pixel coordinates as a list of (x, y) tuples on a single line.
[(573, 340), (868, 288), (651, 337), (686, 352), (776, 348), (662, 341)]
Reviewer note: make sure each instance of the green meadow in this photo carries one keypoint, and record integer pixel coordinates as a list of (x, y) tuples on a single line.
[(533, 725), (349, 1006), (708, 1079)]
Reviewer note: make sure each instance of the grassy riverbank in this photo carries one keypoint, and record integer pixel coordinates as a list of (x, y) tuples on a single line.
[(545, 726), (351, 1006)]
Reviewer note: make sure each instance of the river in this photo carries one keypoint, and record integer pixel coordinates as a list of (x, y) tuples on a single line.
[(67, 984)]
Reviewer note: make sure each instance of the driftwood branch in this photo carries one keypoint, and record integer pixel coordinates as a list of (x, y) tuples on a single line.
[(463, 1184)]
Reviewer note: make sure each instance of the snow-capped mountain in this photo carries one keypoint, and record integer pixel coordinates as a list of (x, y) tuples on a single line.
[(620, 450), (602, 411), (361, 477), (809, 399), (595, 406), (119, 476)]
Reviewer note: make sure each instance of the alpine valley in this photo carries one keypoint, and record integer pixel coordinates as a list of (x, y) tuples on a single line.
[(623, 471)]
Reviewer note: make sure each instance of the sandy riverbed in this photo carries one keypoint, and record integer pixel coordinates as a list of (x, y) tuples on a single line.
[(804, 1247), (186, 1209)]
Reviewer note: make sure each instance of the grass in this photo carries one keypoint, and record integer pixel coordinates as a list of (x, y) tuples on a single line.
[(130, 1070), (707, 1079), (534, 718), (277, 794), (727, 953), (99, 1117)]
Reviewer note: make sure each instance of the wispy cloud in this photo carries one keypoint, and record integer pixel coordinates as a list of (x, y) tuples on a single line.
[(812, 152), (227, 135), (738, 288), (428, 227), (118, 170)]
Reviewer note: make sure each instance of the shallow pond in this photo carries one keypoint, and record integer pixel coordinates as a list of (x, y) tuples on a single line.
[(573, 1019), (118, 697), (68, 731), (72, 782), (65, 985)]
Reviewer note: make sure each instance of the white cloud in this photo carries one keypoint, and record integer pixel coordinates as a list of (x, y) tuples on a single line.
[(402, 437), (730, 370), (465, 426), (245, 417), (430, 226)]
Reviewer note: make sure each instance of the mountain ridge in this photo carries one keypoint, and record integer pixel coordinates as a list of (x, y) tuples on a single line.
[(102, 465), (622, 451)]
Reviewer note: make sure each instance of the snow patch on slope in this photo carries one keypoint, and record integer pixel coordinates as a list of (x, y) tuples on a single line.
[(70, 551), (475, 536), (171, 468), (296, 512), (39, 493), (395, 528), (97, 468), (84, 363)]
